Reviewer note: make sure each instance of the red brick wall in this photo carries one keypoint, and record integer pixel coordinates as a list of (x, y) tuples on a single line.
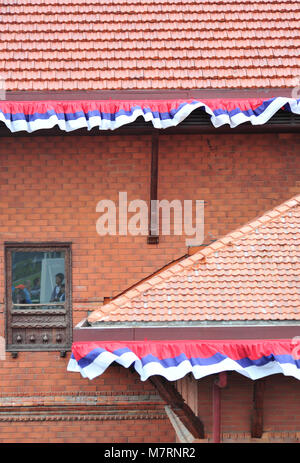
[(133, 431), (41, 402), (281, 408), (49, 190)]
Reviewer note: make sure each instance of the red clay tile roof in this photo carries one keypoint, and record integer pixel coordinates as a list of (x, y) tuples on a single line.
[(159, 44), (252, 273)]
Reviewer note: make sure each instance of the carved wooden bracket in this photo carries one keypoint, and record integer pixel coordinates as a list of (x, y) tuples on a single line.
[(175, 400), (257, 413), (219, 383)]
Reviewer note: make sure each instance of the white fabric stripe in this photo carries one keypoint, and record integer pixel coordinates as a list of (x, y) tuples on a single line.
[(102, 362), (184, 112)]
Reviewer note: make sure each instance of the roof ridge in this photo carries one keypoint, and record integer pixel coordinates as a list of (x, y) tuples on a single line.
[(228, 239), (251, 226)]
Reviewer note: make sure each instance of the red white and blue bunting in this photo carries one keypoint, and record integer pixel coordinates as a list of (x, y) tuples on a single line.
[(175, 359), (30, 116)]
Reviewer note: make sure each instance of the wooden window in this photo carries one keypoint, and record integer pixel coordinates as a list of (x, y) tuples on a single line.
[(38, 297)]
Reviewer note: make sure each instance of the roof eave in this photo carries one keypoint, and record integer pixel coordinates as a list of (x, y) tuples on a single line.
[(148, 94), (239, 329)]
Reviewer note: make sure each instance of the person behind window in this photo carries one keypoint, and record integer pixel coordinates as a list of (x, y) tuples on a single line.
[(19, 296), (59, 278), (62, 294), (27, 291), (36, 289)]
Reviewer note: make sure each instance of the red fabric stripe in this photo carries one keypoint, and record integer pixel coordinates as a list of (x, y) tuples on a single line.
[(113, 106), (235, 349)]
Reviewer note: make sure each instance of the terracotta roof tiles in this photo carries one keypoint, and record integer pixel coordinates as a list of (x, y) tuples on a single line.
[(252, 273), (92, 45)]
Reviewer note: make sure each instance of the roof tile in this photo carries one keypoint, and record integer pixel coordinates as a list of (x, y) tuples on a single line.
[(236, 44)]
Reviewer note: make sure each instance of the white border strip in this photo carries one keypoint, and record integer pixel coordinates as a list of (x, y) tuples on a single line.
[(105, 359)]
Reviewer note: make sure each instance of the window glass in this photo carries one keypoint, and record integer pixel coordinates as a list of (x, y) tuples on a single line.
[(38, 277)]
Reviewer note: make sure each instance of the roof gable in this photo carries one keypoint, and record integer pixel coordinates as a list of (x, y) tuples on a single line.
[(252, 273)]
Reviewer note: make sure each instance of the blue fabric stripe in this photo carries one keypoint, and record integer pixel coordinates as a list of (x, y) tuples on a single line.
[(90, 357), (93, 354), (32, 117), (175, 361), (249, 112), (105, 116), (217, 358)]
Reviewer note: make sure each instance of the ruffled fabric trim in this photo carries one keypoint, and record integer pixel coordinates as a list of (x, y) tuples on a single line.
[(175, 359), (30, 116)]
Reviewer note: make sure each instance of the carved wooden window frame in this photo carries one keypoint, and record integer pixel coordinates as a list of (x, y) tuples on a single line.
[(41, 329)]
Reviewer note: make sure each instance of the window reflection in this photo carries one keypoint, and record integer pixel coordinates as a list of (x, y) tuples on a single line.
[(38, 277), (58, 293)]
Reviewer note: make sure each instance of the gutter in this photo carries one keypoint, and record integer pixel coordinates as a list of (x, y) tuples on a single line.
[(158, 94), (246, 330)]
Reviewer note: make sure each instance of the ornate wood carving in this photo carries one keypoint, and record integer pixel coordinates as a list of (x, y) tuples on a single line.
[(81, 396), (81, 406), (40, 319), (46, 310), (72, 415), (48, 323)]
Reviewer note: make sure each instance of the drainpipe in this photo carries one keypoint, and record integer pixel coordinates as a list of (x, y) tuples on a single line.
[(217, 385)]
